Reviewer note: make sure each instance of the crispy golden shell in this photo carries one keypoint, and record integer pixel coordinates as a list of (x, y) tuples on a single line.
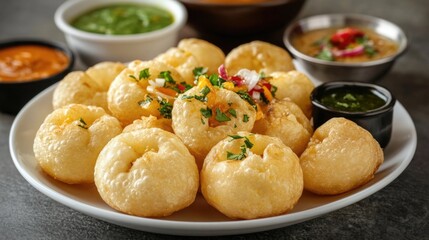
[(296, 86), (147, 173), (341, 156), (285, 120), (259, 56), (89, 87), (195, 131), (267, 182), (68, 142)]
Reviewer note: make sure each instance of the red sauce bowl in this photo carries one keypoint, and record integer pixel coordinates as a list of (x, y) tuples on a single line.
[(14, 94)]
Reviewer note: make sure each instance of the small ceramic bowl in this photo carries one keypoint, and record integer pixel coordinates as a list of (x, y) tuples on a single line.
[(15, 94), (325, 71), (93, 48), (237, 18), (377, 121)]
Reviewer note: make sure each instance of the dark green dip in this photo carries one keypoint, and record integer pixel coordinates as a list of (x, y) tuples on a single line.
[(352, 99), (123, 19)]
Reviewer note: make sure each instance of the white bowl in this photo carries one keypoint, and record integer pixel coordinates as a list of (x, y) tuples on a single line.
[(93, 48)]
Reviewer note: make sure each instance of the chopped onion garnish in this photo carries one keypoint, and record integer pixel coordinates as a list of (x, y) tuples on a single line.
[(349, 52), (160, 82), (256, 95), (150, 89), (251, 78)]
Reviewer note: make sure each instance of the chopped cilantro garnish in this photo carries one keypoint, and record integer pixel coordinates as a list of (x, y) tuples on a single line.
[(232, 112), (167, 76), (198, 71), (165, 108), (143, 74), (221, 117), (133, 77), (245, 118), (215, 80), (82, 123), (273, 90), (325, 54), (207, 113), (243, 148), (245, 96)]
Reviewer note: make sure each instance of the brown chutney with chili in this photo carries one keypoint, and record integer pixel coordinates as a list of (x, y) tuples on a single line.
[(348, 44)]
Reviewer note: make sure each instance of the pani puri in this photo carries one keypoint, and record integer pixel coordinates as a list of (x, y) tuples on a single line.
[(200, 133), (68, 142), (207, 54), (296, 86), (89, 87), (147, 173), (184, 63), (259, 56), (105, 72), (341, 156), (285, 120), (267, 181), (127, 91)]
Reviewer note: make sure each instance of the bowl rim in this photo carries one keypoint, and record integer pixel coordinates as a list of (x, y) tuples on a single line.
[(390, 99), (260, 3), (174, 7), (41, 42), (401, 50)]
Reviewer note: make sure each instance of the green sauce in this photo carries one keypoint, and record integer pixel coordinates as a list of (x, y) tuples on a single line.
[(123, 19), (352, 99)]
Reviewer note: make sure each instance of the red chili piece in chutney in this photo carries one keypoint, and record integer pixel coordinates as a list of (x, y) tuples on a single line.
[(344, 37)]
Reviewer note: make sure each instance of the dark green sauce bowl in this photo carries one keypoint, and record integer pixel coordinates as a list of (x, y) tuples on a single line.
[(377, 121)]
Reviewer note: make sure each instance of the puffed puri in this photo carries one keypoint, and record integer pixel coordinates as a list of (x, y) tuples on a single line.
[(69, 140), (340, 156), (147, 172), (267, 182)]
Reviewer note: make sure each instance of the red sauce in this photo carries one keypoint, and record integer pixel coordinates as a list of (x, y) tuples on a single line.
[(30, 62)]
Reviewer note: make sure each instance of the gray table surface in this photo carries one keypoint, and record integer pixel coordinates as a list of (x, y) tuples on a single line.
[(398, 211)]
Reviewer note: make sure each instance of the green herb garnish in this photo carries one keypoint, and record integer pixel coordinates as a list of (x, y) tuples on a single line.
[(207, 113), (82, 123), (221, 117), (232, 112), (243, 148), (167, 76), (143, 74), (245, 118), (165, 108)]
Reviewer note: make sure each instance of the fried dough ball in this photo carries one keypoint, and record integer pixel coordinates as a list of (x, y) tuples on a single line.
[(68, 142), (267, 181), (89, 88), (259, 56), (150, 122), (285, 120), (147, 173), (341, 156), (295, 86), (200, 132), (105, 72), (207, 54), (184, 62), (127, 92)]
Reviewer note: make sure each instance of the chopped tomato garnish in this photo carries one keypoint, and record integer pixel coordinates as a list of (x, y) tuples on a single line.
[(343, 37)]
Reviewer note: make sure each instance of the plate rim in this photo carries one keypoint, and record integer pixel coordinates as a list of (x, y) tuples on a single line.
[(192, 228)]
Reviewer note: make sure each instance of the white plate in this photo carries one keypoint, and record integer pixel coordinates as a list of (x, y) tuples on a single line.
[(198, 219)]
